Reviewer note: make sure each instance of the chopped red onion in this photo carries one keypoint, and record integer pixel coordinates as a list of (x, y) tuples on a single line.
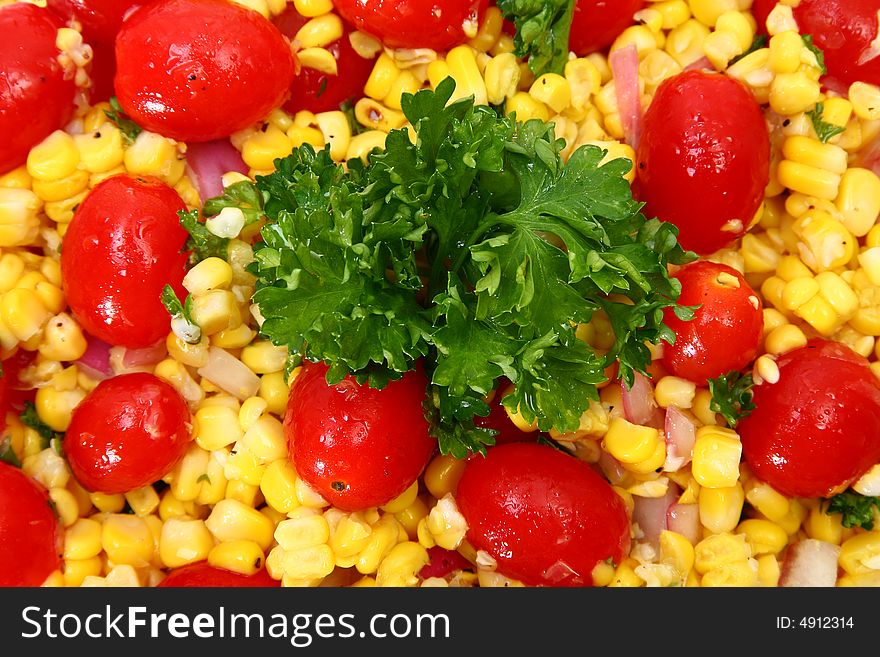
[(681, 434), (650, 513), (639, 406), (684, 519), (95, 362), (208, 161), (625, 67)]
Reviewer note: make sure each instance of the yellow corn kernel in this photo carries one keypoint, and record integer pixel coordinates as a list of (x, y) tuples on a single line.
[(242, 557), (401, 565), (861, 554), (23, 313), (215, 311), (210, 274), (791, 521), (402, 501), (552, 90), (652, 463), (54, 158), (252, 409), (108, 503), (675, 391), (350, 537), (656, 67), (337, 132), (62, 188), (838, 294), (382, 539), (640, 36), (502, 76), (630, 443), (815, 154), (785, 51), (763, 536), (186, 483), (865, 99), (739, 573), (243, 492), (232, 338), (127, 539), (155, 155), (143, 501), (278, 486), (300, 135), (442, 474), (231, 520), (708, 11), (55, 406), (824, 526), (308, 496), (264, 357), (791, 93), (405, 83), (858, 200), (365, 143), (82, 540), (526, 107), (768, 501), (76, 570), (184, 541), (468, 80), (384, 73), (625, 575), (412, 515), (319, 59), (320, 31), (784, 339), (685, 42), (720, 508), (304, 532), (63, 339), (216, 427), (308, 563), (18, 178), (19, 221), (720, 550), (66, 505), (266, 440), (489, 31), (676, 551), (446, 523), (274, 391), (798, 292), (262, 148), (808, 179), (313, 8), (61, 212), (717, 453)]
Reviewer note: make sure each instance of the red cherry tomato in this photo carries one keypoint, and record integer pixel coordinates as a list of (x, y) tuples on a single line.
[(128, 432), (202, 575), (122, 247), (597, 23), (816, 430), (842, 29), (500, 421), (357, 446), (13, 394), (547, 518), (315, 91), (197, 70), (100, 21), (704, 158), (35, 97), (30, 537), (726, 329), (443, 562), (414, 23)]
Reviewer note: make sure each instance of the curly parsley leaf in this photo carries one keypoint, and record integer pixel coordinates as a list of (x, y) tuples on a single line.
[(243, 196), (182, 323), (824, 130), (857, 510), (201, 242), (542, 29), (732, 396), (816, 50), (476, 250), (7, 454), (30, 418), (760, 41), (130, 130)]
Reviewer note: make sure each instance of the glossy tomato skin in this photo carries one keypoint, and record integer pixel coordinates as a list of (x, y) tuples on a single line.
[(32, 82), (842, 29), (315, 91), (123, 245), (357, 446), (500, 421), (546, 517), (727, 326), (100, 21), (817, 430), (128, 432), (704, 158), (414, 23), (595, 24), (30, 536), (203, 575), (197, 70)]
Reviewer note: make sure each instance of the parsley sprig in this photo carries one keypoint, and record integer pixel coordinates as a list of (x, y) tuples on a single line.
[(542, 29), (824, 131), (857, 510), (476, 251), (732, 396), (130, 130)]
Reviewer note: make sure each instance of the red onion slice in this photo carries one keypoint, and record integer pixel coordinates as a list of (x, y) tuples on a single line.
[(684, 519), (702, 64), (625, 67), (651, 513), (810, 563), (639, 406), (207, 162), (443, 562), (95, 363), (124, 360), (681, 434)]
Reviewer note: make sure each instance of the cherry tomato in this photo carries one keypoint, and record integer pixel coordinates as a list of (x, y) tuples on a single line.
[(203, 575), (726, 329), (357, 446), (443, 562), (100, 21), (123, 245), (842, 29), (315, 91), (500, 421), (197, 70), (30, 537), (128, 432), (816, 430), (13, 393), (415, 23), (32, 82), (704, 158), (597, 23), (547, 518)]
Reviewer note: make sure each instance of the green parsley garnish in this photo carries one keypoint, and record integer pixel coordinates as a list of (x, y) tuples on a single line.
[(857, 510), (130, 129), (241, 195), (201, 242), (542, 29), (732, 396), (182, 323), (760, 41), (476, 251), (824, 130), (816, 50), (7, 454)]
